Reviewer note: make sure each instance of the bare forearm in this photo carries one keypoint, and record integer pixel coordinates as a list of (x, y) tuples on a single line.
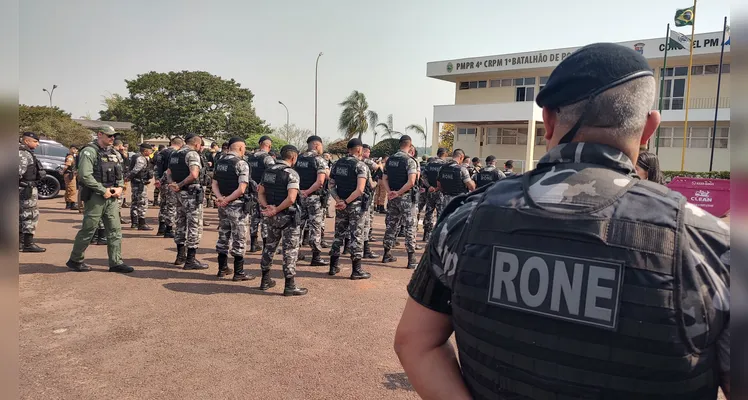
[(355, 195), (435, 373)]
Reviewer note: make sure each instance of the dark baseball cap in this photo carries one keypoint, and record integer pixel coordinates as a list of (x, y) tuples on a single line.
[(355, 142), (313, 138), (234, 140), (31, 135), (264, 138), (106, 129)]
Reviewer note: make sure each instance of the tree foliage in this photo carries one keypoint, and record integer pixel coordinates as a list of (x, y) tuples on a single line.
[(177, 103), (418, 129), (447, 136), (118, 108), (253, 139), (356, 118), (293, 135), (386, 147), (52, 123), (338, 147)]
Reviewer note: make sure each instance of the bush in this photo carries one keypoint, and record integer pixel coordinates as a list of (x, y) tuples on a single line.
[(255, 137), (385, 148), (338, 147), (669, 175)]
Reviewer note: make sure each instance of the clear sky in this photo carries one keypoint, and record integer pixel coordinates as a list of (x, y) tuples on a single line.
[(89, 47)]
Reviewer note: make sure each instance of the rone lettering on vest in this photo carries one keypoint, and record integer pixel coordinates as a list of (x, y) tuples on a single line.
[(269, 177), (302, 164), (342, 171), (577, 290)]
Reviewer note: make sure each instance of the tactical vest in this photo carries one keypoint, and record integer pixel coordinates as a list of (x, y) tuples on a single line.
[(108, 168), (178, 165), (484, 177), (275, 182), (225, 175), (397, 172), (162, 163), (345, 176), (432, 171), (577, 303), (257, 165), (306, 167), (451, 180), (33, 170), (145, 174)]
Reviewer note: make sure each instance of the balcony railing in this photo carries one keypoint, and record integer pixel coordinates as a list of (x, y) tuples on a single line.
[(699, 103)]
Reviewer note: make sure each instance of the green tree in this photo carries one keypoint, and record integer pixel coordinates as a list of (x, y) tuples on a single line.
[(293, 135), (52, 123), (356, 118), (338, 147), (118, 108), (386, 147), (176, 103), (252, 140), (447, 136)]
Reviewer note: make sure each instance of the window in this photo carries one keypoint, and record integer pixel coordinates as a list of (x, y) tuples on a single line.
[(492, 135), (720, 139), (673, 94), (697, 137), (543, 81), (681, 71), (725, 68), (530, 81), (525, 94), (697, 70), (540, 137), (502, 82), (506, 136), (464, 85), (711, 69), (506, 82), (467, 131), (473, 85)]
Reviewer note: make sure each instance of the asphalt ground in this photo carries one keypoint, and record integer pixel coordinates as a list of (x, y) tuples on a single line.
[(162, 332)]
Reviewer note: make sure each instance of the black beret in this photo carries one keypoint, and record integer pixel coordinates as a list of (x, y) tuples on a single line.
[(313, 138), (354, 143), (490, 159), (264, 138), (31, 135), (405, 138), (146, 146), (234, 140), (366, 146), (590, 71)]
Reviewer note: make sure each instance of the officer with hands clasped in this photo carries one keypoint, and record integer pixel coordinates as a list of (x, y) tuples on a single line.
[(139, 176), (576, 279), (313, 171), (30, 171), (489, 174)]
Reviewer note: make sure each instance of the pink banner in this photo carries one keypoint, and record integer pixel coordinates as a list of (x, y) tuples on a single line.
[(711, 195)]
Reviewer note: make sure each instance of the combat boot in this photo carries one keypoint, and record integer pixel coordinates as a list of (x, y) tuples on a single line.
[(266, 283), (77, 266), (412, 261), (367, 251), (357, 272), (239, 274), (334, 269), (168, 232), (253, 244), (133, 223), (29, 246), (292, 290), (223, 265), (181, 255), (122, 268), (101, 239), (142, 226), (387, 257), (161, 228), (317, 260), (191, 262)]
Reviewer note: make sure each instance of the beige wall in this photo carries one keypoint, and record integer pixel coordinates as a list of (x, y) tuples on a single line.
[(486, 95)]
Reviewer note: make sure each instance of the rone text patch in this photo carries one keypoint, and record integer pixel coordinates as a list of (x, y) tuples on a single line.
[(579, 290)]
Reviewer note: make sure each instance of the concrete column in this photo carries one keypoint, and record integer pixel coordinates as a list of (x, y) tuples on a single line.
[(530, 150), (435, 139), (481, 138)]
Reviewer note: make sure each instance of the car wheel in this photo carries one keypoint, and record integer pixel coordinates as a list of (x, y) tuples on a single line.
[(48, 187)]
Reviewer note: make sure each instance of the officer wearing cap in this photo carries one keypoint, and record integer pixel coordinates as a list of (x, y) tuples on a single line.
[(434, 196), (102, 180), (185, 166), (167, 211), (591, 282), (399, 178), (489, 174), (313, 171), (278, 196), (369, 216), (68, 175), (139, 176), (30, 172), (349, 177), (258, 161), (230, 185), (454, 179)]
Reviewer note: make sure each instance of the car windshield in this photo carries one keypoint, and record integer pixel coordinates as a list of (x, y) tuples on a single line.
[(55, 151)]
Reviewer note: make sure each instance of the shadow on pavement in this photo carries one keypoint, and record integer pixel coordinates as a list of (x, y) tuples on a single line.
[(38, 268), (250, 287), (69, 241), (397, 381), (66, 221)]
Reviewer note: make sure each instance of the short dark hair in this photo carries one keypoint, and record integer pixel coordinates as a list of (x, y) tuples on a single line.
[(288, 151), (649, 163), (476, 159), (458, 152), (441, 151), (194, 140), (161, 147), (509, 164), (117, 142), (176, 140)]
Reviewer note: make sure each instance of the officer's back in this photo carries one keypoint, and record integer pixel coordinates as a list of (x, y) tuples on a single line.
[(576, 280)]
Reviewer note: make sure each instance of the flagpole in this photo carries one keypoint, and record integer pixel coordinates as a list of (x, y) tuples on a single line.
[(688, 91), (716, 105), (662, 87)]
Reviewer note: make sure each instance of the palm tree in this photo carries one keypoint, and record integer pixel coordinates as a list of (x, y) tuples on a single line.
[(356, 117), (389, 132), (419, 129)]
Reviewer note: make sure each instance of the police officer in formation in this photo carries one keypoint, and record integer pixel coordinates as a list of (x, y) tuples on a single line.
[(349, 177), (258, 162), (102, 182), (167, 212), (509, 168), (230, 185), (601, 286), (139, 176), (399, 179), (369, 217), (454, 178), (30, 172), (313, 171), (489, 174), (156, 189), (278, 197), (434, 196), (185, 168)]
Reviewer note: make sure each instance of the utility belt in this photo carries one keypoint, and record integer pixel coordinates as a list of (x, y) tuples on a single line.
[(86, 192), (138, 181), (26, 189), (195, 190)]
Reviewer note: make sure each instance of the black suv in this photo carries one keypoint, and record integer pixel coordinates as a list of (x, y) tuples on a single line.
[(52, 156)]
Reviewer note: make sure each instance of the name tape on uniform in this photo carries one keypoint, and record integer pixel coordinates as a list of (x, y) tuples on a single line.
[(268, 177), (578, 290), (342, 171), (302, 164)]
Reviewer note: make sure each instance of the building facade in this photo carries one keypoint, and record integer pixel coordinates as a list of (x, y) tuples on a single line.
[(494, 111)]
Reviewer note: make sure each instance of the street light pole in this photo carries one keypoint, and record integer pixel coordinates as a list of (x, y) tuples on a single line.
[(50, 94), (316, 68), (287, 118)]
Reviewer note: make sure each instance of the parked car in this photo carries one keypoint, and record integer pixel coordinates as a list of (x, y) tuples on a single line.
[(51, 155)]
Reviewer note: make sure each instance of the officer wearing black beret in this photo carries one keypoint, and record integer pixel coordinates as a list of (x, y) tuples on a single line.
[(313, 171), (258, 161), (576, 279)]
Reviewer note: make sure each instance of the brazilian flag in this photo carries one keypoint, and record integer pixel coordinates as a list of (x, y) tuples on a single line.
[(685, 16)]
